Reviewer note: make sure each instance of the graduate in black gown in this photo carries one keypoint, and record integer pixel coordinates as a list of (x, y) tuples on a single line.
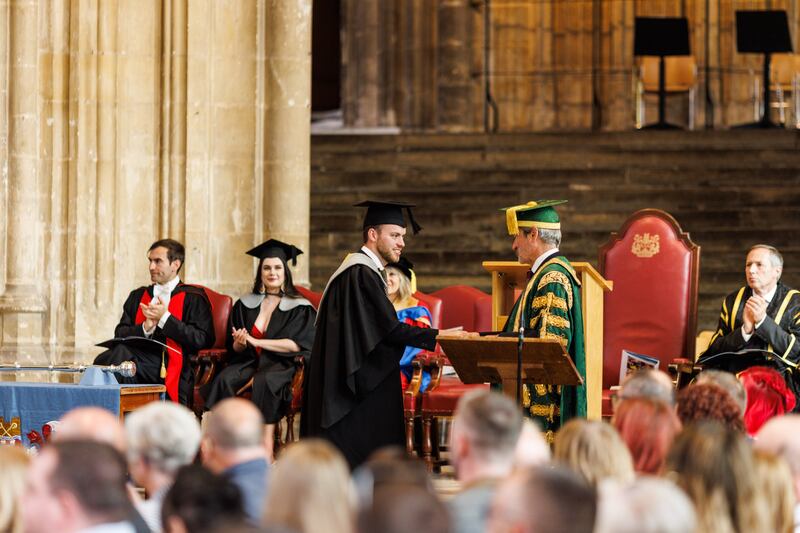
[(175, 315), (353, 396), (267, 330)]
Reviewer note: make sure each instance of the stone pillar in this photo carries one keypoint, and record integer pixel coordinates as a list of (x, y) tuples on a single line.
[(22, 304), (456, 88), (287, 117)]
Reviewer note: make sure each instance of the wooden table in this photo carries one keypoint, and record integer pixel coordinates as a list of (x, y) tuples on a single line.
[(131, 398)]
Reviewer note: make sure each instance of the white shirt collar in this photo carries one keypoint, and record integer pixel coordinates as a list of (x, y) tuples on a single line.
[(168, 287), (542, 258), (771, 294), (373, 257)]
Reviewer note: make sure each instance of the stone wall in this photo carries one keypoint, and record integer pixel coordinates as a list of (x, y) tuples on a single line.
[(126, 121)]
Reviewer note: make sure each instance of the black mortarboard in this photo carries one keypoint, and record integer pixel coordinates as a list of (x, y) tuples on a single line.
[(388, 213), (407, 268), (276, 248)]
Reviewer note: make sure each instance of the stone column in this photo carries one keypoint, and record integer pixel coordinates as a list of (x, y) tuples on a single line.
[(287, 116), (22, 304)]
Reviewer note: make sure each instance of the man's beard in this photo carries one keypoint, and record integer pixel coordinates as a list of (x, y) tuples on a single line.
[(388, 255)]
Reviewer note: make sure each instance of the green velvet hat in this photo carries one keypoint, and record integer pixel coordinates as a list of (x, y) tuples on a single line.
[(539, 214)]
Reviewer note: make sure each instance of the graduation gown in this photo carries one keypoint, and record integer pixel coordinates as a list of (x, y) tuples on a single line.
[(189, 328), (552, 300), (353, 396), (777, 335), (272, 372)]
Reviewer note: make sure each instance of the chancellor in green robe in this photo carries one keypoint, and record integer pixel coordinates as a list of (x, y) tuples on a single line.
[(551, 308)]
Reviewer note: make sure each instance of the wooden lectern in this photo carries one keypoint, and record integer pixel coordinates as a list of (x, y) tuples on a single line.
[(494, 360), (508, 281)]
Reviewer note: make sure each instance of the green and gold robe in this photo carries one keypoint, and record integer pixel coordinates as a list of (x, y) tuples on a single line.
[(553, 311)]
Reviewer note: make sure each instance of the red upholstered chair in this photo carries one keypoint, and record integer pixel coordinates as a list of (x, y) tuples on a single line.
[(206, 363), (434, 305), (461, 306), (311, 296), (653, 308)]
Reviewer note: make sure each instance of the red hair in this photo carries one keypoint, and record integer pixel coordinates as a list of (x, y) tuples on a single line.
[(706, 401), (767, 396), (648, 427)]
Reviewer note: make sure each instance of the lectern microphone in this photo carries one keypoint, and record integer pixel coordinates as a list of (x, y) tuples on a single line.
[(126, 369)]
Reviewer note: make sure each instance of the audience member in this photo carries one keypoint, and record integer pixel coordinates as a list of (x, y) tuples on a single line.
[(706, 401), (234, 445), (774, 480), (779, 436), (543, 500), (202, 502), (389, 466), (531, 449), (398, 509), (647, 505), (714, 465), (594, 450), (314, 494), (91, 423), (648, 428), (14, 466), (486, 427), (767, 396), (77, 485), (162, 437), (728, 382), (647, 383)]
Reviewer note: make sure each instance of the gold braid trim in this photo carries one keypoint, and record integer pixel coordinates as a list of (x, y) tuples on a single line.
[(541, 390), (557, 277), (559, 338), (549, 411), (526, 396), (557, 321), (556, 303), (549, 436)]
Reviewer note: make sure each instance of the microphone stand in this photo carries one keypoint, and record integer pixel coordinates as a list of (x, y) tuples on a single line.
[(520, 343)]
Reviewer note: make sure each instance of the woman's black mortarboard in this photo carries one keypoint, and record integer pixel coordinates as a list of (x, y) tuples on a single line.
[(405, 266), (388, 213), (276, 248)]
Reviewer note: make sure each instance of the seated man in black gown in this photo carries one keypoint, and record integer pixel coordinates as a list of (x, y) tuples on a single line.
[(176, 315), (761, 320)]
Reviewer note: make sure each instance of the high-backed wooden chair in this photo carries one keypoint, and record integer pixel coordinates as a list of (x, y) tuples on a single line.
[(206, 363), (653, 308), (461, 306), (680, 77)]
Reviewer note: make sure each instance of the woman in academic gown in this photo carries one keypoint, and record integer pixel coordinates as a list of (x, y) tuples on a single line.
[(268, 328), (400, 287)]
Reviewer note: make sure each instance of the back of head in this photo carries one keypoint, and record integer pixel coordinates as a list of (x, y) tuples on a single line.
[(594, 450), (728, 382), (648, 383), (91, 423), (706, 401), (314, 493), (647, 505), (531, 449), (95, 474), (544, 500), (14, 465), (164, 434), (492, 422), (767, 396), (234, 424), (779, 437), (714, 465), (398, 509), (775, 482), (390, 466), (648, 428), (202, 501)]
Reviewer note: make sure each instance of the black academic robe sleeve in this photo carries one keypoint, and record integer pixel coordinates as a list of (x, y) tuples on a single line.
[(784, 340), (195, 330), (127, 323)]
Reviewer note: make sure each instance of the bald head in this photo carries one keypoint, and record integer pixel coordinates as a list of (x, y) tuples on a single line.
[(91, 423), (235, 423)]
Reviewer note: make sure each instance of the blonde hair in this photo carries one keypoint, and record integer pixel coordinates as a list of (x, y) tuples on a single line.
[(775, 482), (594, 450), (311, 490), (402, 298), (714, 465), (14, 465)]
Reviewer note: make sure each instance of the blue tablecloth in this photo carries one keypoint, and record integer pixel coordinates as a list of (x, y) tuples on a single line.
[(26, 409)]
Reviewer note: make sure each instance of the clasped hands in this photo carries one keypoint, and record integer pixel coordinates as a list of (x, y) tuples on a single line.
[(152, 313), (240, 337), (755, 310)]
